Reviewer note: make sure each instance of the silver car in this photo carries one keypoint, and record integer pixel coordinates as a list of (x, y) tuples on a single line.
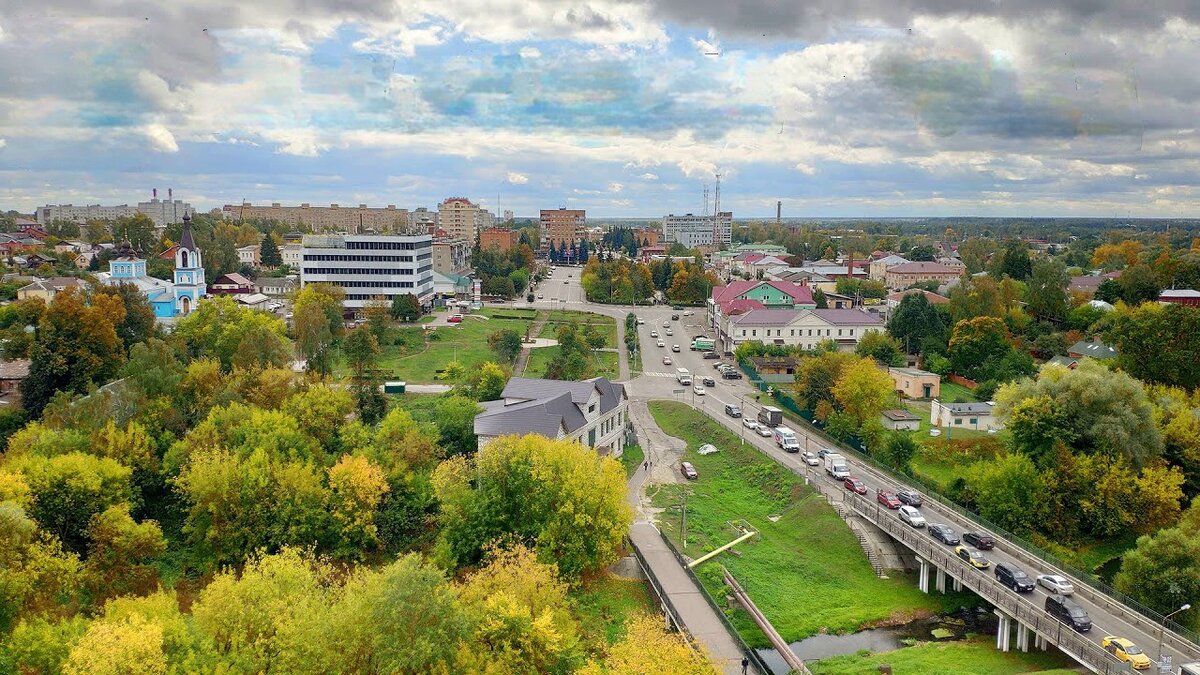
[(810, 458), (912, 516), (1056, 584)]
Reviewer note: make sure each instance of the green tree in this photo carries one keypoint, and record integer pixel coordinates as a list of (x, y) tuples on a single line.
[(977, 346), (313, 335), (120, 551), (1015, 262), (455, 417), (66, 491), (882, 347), (361, 350), (898, 451), (1164, 570), (506, 343), (1138, 284), (138, 323), (218, 327), (820, 300), (154, 369), (914, 321), (1047, 290), (260, 347), (816, 376), (138, 230), (489, 382), (1158, 343), (268, 252), (405, 307), (1007, 491), (862, 391)]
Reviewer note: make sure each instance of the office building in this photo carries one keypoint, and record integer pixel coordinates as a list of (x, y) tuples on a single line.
[(370, 266), (332, 218), (562, 226), (692, 231)]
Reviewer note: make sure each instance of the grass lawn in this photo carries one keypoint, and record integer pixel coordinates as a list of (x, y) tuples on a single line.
[(606, 325), (632, 458), (806, 570), (420, 406), (966, 657), (604, 364), (603, 604), (955, 393)]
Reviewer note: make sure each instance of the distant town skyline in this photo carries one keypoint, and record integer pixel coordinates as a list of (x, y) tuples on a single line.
[(868, 109)]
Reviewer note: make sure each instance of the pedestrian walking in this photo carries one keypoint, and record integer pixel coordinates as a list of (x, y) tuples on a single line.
[(745, 664), (646, 465)]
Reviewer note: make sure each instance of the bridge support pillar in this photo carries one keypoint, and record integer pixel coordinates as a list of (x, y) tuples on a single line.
[(1002, 633), (1040, 642), (923, 575), (1022, 637), (957, 584), (941, 580)]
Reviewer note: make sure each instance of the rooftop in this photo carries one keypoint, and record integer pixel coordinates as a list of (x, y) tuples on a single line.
[(545, 407), (900, 416), (924, 267), (968, 408)]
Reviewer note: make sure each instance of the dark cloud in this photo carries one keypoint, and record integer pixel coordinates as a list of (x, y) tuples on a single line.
[(587, 18)]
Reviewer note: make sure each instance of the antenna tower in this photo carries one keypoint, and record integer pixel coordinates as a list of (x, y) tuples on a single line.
[(705, 211), (717, 211)]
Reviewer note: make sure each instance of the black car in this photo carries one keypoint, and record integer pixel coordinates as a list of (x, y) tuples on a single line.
[(1069, 612), (709, 382), (944, 533), (711, 355), (674, 317), (910, 497), (1014, 577), (980, 541), (731, 374)]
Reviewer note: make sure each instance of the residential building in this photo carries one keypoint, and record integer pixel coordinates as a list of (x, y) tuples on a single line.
[(692, 231), (232, 284), (1182, 296), (275, 285), (498, 238), (292, 255), (646, 237), (1086, 285), (893, 299), (451, 256), (1093, 348), (170, 300), (162, 212), (562, 226), (13, 243), (915, 383), (165, 211), (370, 266), (904, 275), (832, 270), (900, 420), (332, 218), (46, 289), (422, 220), (742, 295), (775, 368), (253, 301), (594, 412), (1064, 361), (248, 255), (460, 218), (880, 266), (974, 416), (805, 328), (11, 374)]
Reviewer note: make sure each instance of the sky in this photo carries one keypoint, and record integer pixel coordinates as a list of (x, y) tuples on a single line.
[(621, 107)]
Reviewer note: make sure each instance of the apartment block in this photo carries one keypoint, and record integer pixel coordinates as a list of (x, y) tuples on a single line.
[(646, 237), (460, 218), (498, 238), (370, 266), (162, 211), (332, 218), (692, 231), (451, 256), (562, 226)]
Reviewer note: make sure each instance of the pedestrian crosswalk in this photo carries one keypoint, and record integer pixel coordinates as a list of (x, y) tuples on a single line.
[(659, 374)]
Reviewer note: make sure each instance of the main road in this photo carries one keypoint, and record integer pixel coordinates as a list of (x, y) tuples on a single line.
[(658, 381)]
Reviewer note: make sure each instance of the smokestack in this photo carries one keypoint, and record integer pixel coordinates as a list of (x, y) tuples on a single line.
[(171, 194), (154, 192), (778, 211)]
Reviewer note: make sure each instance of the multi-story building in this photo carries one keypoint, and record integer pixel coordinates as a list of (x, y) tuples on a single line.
[(248, 255), (692, 231), (646, 237), (451, 256), (162, 212), (332, 218), (423, 220), (904, 275), (460, 218), (562, 226), (594, 412), (742, 296), (880, 266), (804, 328), (292, 255), (498, 238), (370, 266)]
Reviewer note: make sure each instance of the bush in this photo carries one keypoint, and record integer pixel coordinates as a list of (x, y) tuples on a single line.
[(986, 390)]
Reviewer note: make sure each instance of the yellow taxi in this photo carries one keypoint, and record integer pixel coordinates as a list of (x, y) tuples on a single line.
[(1124, 650)]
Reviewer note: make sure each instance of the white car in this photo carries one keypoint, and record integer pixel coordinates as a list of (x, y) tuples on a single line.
[(661, 343), (670, 332), (912, 516), (675, 348), (688, 313), (1056, 584), (810, 458), (640, 320), (666, 360), (749, 423), (666, 324), (699, 390), (765, 431), (653, 333)]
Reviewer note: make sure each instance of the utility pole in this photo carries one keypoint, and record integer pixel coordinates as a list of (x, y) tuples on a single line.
[(683, 520)]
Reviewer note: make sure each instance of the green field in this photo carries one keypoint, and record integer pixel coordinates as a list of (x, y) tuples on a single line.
[(806, 570), (956, 393), (606, 325), (604, 603), (604, 364), (632, 458), (967, 657)]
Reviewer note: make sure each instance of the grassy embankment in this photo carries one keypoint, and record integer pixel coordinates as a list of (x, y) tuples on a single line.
[(977, 656)]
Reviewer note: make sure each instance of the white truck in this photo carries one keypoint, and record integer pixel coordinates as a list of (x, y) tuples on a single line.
[(786, 439), (683, 376), (835, 465)]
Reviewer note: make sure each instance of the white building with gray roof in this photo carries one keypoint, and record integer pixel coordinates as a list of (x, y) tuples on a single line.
[(593, 412)]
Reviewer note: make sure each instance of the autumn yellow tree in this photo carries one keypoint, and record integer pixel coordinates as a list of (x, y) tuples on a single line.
[(649, 648), (356, 487), (863, 390), (1116, 256)]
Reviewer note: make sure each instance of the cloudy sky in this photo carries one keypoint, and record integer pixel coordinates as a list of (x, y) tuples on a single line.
[(622, 107)]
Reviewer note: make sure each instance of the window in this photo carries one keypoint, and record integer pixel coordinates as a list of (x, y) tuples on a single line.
[(975, 421), (591, 408), (839, 332), (754, 332), (958, 420), (592, 437)]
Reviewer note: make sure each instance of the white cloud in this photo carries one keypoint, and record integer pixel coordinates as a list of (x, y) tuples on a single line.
[(531, 53), (161, 139), (515, 178), (3, 142), (1, 33), (404, 41), (615, 187), (649, 176)]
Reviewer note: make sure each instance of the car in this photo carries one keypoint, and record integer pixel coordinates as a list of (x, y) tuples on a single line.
[(666, 360), (539, 296), (711, 355), (654, 334), (661, 343), (821, 452), (565, 282), (709, 382), (674, 317), (720, 365), (675, 348), (676, 306), (688, 313), (887, 498), (912, 516), (731, 374), (765, 431), (810, 458), (855, 485), (1124, 650), (980, 541), (640, 320), (689, 471), (666, 324), (972, 557), (910, 497), (1056, 584), (456, 318), (1069, 612), (1014, 577), (749, 423), (698, 390), (944, 533), (670, 332), (733, 410)]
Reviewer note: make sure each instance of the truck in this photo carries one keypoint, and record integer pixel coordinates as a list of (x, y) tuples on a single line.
[(770, 416), (683, 376), (835, 465), (786, 439), (703, 344)]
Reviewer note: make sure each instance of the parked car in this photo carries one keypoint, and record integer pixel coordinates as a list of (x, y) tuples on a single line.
[(1014, 577), (689, 471), (910, 497), (666, 360), (640, 320), (674, 317), (720, 366), (1124, 650), (855, 485), (765, 431), (711, 355), (732, 410), (749, 423), (980, 541), (709, 382), (912, 516), (688, 313), (454, 318), (698, 390), (888, 499), (675, 348), (676, 306), (1056, 584), (810, 458), (972, 557), (731, 374), (1069, 612), (944, 533)]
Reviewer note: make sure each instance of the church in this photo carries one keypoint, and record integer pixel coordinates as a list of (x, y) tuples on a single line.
[(170, 300)]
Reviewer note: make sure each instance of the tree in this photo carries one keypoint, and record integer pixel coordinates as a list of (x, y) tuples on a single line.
[(1109, 291), (1006, 491), (356, 488), (119, 553), (881, 347), (118, 648), (405, 307), (898, 451), (268, 252), (262, 347), (1117, 256), (537, 491), (66, 491), (1047, 290), (1138, 284), (977, 345), (138, 230), (863, 390), (816, 375), (1158, 343), (648, 647), (313, 336), (819, 298), (914, 321), (506, 343), (455, 417), (361, 350), (218, 327), (1016, 263), (489, 383), (138, 322), (1163, 572), (153, 369)]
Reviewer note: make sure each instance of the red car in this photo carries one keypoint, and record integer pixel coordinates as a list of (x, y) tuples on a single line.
[(457, 318), (888, 499), (855, 485)]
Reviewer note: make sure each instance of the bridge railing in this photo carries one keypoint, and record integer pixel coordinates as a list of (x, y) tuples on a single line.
[(672, 611)]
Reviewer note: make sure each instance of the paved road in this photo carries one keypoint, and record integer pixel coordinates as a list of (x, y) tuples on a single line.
[(658, 381)]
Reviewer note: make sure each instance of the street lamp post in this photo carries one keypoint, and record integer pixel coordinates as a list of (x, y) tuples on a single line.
[(1163, 627), (742, 407)]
